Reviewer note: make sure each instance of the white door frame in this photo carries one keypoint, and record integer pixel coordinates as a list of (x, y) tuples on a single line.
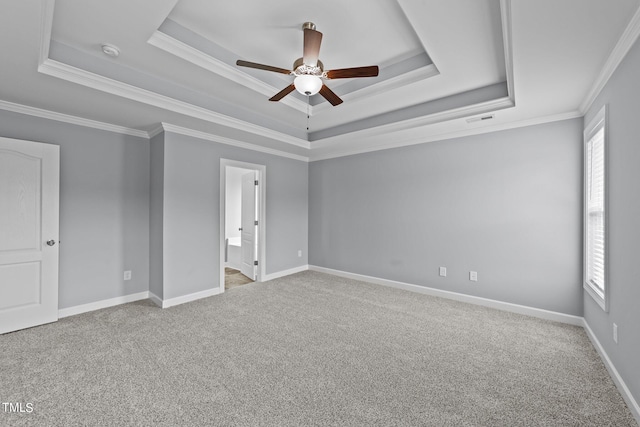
[(262, 223), (248, 227)]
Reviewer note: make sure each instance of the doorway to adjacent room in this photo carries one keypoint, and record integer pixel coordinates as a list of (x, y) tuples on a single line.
[(241, 223)]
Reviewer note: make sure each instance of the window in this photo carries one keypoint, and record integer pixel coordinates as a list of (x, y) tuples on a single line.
[(595, 265)]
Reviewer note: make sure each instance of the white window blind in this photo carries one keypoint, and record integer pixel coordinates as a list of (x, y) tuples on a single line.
[(595, 206)]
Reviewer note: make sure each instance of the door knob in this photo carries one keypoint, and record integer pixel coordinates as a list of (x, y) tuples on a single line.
[(51, 242), (240, 229)]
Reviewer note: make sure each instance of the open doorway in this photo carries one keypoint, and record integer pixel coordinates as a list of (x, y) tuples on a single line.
[(241, 223)]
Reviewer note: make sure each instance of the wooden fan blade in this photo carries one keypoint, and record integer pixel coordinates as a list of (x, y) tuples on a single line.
[(345, 73), (330, 96), (284, 92), (242, 63), (312, 40)]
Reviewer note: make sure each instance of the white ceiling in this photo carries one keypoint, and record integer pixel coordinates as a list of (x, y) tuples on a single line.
[(441, 62)]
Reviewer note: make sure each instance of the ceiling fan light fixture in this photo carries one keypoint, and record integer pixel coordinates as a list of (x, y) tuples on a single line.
[(309, 71), (307, 84)]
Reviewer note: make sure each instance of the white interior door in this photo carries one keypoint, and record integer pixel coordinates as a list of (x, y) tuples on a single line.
[(29, 191), (248, 235)]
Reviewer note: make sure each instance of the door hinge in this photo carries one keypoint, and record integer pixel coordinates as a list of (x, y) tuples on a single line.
[(255, 182), (255, 222), (255, 262)]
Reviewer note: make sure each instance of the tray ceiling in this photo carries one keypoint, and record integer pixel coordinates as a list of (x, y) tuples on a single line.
[(441, 63)]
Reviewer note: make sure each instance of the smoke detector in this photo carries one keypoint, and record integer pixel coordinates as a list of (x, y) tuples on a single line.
[(110, 50)]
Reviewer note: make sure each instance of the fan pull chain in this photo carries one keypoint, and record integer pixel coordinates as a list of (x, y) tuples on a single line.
[(308, 100)]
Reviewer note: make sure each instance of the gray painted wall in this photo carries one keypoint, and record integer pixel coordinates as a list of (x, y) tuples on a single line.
[(156, 224), (104, 207), (505, 204), (192, 212), (622, 95)]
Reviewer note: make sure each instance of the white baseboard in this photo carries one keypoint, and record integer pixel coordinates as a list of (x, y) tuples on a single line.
[(283, 273), (613, 372), (155, 299), (78, 309), (184, 298), (500, 305)]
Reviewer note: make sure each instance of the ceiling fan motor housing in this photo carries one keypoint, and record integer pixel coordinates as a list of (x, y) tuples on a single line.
[(300, 68), (309, 26)]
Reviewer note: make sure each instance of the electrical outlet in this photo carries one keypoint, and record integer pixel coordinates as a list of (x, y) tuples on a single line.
[(615, 333), (127, 275), (299, 254), (443, 271), (473, 276)]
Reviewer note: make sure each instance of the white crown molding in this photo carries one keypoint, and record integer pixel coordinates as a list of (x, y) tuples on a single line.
[(66, 118), (626, 41), (456, 113), (161, 40), (66, 72), (507, 40), (114, 87), (450, 135), (367, 92), (188, 53), (156, 131), (508, 102), (227, 141), (45, 28)]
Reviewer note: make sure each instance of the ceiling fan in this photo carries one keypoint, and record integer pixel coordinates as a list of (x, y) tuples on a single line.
[(309, 70)]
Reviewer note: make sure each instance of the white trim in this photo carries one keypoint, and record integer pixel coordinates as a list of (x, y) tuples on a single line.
[(197, 57), (450, 135), (189, 53), (155, 299), (619, 52), (485, 302), (166, 303), (114, 87), (507, 40), (223, 140), (401, 80), (279, 274), (599, 121), (156, 131), (92, 306), (98, 82), (45, 29), (74, 120), (79, 121), (443, 116), (632, 404), (602, 302)]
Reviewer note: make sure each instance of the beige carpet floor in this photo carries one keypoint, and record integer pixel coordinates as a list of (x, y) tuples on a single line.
[(307, 350)]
